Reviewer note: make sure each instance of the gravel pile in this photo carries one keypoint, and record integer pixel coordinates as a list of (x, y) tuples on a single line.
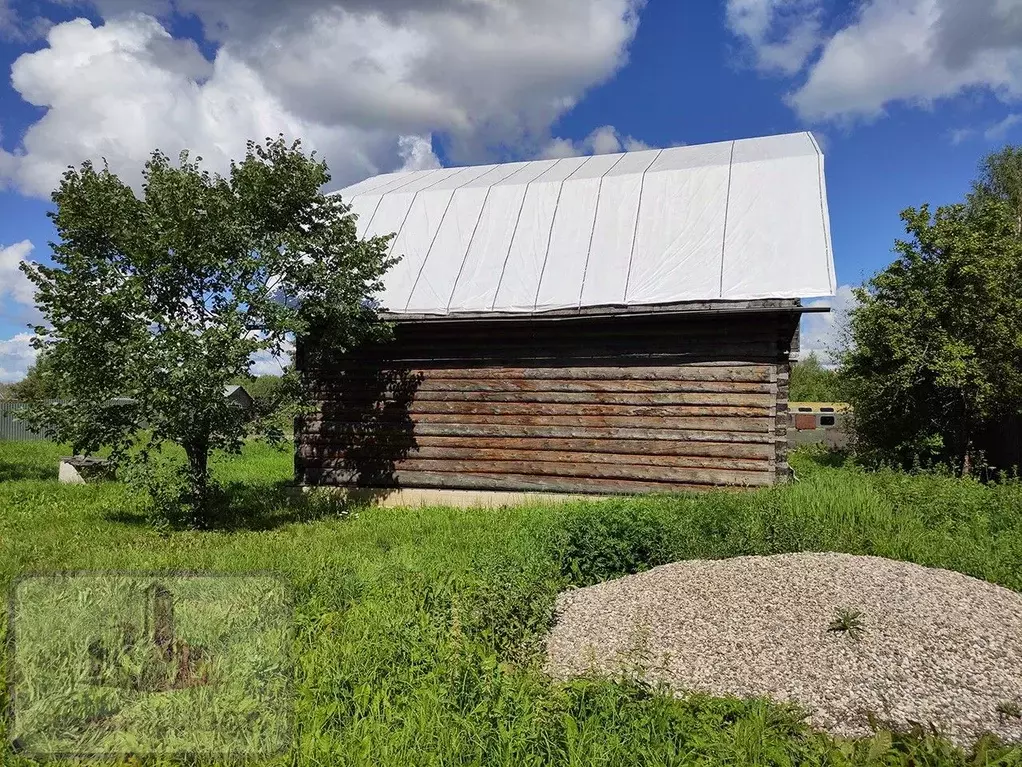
[(936, 646)]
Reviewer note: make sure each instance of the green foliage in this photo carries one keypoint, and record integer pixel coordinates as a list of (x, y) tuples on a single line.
[(164, 298), (811, 382), (1000, 180), (277, 401), (263, 389), (608, 541), (848, 621), (39, 383), (415, 629), (937, 337), (935, 520)]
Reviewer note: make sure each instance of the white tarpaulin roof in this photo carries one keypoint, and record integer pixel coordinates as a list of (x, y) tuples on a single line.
[(735, 220)]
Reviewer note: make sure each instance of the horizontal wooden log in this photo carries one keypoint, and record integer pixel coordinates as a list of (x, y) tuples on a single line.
[(604, 398), (708, 350), (315, 446), (711, 350), (335, 458), (539, 360), (361, 398), (743, 424), (510, 482), (636, 329), (330, 429), (746, 424), (335, 410), (751, 373), (592, 470), (648, 332), (323, 388)]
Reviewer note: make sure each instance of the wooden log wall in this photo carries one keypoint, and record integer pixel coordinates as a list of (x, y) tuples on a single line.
[(596, 405)]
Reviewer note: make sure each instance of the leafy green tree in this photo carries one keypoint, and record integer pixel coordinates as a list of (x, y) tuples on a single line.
[(937, 337), (163, 298), (1000, 179), (812, 382), (38, 384)]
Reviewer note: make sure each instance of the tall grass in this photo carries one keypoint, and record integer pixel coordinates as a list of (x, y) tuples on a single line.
[(932, 520), (418, 632)]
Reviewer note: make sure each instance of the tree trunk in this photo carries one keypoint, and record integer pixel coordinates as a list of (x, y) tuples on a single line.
[(198, 472)]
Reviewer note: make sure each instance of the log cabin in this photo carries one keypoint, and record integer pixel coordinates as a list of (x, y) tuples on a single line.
[(611, 324)]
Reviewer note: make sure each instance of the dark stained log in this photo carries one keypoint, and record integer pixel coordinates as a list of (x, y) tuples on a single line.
[(538, 409), (328, 386), (492, 430), (314, 446), (334, 458), (646, 328), (597, 471), (494, 356), (749, 424), (708, 399), (512, 482), (688, 399), (606, 332), (753, 373)]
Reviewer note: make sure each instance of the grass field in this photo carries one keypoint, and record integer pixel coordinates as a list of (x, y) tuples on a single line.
[(417, 633)]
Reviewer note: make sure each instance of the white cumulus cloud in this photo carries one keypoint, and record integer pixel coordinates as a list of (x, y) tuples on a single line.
[(417, 153), (14, 285), (780, 34), (266, 364), (999, 130), (16, 356), (603, 140), (367, 84), (916, 52)]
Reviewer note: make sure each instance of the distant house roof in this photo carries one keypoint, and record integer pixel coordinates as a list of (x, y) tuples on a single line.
[(730, 221), (239, 395)]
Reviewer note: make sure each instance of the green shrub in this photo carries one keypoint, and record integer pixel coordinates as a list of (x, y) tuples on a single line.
[(608, 540), (509, 608)]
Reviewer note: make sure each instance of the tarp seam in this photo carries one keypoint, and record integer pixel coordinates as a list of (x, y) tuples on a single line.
[(592, 230), (432, 172), (550, 232), (511, 242), (727, 204), (432, 241), (635, 229), (413, 178), (475, 228), (372, 215)]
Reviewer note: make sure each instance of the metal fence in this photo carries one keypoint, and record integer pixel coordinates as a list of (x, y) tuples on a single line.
[(12, 427)]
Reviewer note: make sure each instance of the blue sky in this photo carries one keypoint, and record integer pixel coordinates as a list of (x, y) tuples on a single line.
[(905, 96)]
